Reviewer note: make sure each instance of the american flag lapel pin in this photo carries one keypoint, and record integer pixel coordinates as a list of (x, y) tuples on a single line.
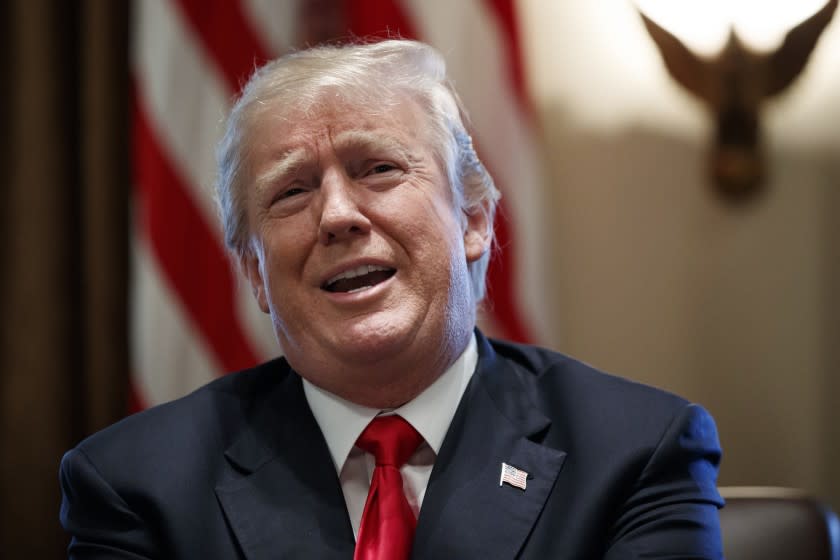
[(513, 476)]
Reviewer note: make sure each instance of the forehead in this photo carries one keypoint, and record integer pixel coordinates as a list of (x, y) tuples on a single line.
[(345, 124)]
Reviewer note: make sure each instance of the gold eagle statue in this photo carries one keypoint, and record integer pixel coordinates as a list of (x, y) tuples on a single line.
[(733, 85)]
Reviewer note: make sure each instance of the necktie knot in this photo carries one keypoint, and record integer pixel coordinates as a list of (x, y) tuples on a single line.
[(390, 439)]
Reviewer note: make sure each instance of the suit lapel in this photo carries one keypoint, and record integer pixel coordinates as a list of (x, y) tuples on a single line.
[(282, 498), (466, 513)]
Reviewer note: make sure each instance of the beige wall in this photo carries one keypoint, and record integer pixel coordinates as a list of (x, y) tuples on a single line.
[(657, 279)]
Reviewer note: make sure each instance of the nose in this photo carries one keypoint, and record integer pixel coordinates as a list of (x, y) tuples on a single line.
[(341, 216)]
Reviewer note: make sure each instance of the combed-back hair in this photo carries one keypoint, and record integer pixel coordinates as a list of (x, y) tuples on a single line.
[(374, 76)]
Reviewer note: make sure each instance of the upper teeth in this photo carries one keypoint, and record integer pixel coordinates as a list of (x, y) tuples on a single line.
[(358, 271)]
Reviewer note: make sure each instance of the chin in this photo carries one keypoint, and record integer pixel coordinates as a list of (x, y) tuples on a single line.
[(379, 338), (373, 341)]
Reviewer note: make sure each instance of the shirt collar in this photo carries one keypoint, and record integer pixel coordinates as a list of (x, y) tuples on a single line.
[(430, 412)]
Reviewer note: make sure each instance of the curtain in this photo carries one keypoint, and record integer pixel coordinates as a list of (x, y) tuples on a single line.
[(64, 258)]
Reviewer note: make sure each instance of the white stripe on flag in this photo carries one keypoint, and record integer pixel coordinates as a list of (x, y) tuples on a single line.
[(169, 360), (276, 22)]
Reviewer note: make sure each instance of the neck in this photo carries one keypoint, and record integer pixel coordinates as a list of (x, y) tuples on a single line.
[(389, 382)]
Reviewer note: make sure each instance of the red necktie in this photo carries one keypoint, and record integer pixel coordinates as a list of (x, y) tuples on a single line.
[(387, 527)]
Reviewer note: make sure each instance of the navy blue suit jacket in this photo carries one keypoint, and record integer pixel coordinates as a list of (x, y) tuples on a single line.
[(239, 469)]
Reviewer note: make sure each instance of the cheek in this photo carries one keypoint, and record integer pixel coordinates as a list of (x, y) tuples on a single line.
[(287, 246), (289, 233), (420, 210), (441, 227)]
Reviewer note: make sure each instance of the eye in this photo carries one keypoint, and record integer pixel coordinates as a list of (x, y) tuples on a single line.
[(380, 168), (289, 193)]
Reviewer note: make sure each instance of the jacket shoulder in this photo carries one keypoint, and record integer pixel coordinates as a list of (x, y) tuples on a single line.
[(593, 411), (554, 373), (208, 418)]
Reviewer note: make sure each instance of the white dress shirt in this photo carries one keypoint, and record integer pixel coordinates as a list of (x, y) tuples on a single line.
[(430, 413)]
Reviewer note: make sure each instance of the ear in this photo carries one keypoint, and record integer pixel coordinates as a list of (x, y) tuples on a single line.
[(477, 233), (249, 262)]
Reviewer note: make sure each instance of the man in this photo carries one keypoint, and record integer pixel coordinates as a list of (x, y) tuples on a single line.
[(358, 210)]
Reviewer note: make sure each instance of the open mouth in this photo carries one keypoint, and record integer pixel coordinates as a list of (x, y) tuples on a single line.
[(358, 279)]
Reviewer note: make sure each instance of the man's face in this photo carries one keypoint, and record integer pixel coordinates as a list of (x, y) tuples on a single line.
[(358, 253)]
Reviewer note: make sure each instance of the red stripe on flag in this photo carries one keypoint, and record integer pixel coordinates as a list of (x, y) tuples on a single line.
[(227, 36), (378, 18), (505, 11), (136, 402), (188, 252), (501, 283)]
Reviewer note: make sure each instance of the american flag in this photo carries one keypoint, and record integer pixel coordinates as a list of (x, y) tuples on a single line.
[(513, 476), (192, 317)]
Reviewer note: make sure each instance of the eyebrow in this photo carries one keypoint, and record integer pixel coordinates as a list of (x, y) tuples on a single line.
[(284, 164)]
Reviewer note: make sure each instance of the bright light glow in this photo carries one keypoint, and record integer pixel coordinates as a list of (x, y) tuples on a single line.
[(703, 25)]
